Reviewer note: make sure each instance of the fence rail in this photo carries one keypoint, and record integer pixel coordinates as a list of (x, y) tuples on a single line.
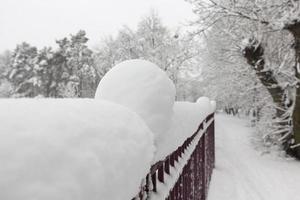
[(184, 174)]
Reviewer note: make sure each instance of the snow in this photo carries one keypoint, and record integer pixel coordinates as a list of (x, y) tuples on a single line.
[(163, 189), (144, 88), (102, 148), (242, 173), (213, 105), (71, 150), (204, 100), (185, 121)]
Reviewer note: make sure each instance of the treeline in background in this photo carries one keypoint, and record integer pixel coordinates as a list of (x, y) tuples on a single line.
[(74, 70)]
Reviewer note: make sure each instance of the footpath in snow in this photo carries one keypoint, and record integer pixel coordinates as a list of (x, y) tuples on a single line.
[(242, 173)]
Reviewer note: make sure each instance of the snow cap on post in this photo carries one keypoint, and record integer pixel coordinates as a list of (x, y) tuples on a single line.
[(144, 88), (206, 104), (204, 100), (213, 105)]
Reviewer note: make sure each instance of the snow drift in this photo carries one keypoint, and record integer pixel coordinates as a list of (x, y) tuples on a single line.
[(185, 121), (71, 150), (203, 100), (144, 88), (213, 105)]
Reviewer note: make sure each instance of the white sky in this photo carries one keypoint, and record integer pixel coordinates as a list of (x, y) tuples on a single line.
[(40, 22)]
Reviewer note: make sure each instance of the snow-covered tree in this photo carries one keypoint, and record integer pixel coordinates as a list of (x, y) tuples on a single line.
[(22, 74), (65, 72), (44, 72), (266, 34), (6, 88), (5, 60), (75, 65), (172, 51)]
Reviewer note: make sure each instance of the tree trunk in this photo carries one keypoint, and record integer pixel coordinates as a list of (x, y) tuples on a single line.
[(254, 54), (294, 29), (296, 123)]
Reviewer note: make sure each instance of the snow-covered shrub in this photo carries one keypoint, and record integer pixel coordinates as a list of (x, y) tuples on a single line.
[(144, 88), (268, 137), (71, 150)]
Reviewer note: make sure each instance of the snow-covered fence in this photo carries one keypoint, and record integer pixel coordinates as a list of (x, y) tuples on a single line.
[(185, 173)]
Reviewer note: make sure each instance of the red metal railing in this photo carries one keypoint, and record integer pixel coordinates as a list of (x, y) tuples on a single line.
[(184, 174)]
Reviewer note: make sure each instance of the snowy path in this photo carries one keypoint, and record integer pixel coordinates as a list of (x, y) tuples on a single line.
[(241, 173)]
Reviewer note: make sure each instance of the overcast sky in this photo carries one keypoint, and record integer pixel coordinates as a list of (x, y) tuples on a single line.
[(40, 22)]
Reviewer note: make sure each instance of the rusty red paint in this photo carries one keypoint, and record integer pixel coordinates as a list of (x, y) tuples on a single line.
[(160, 174), (167, 165)]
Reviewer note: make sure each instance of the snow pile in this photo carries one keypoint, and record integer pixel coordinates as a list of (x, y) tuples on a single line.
[(185, 121), (144, 88), (71, 150), (204, 100), (213, 105)]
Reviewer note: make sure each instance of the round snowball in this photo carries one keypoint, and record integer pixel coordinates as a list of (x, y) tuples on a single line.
[(144, 88)]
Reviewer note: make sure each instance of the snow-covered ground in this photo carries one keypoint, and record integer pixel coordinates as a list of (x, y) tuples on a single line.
[(185, 121), (242, 173)]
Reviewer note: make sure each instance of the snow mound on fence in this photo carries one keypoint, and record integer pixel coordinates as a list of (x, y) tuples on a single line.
[(71, 150), (213, 105), (144, 88), (185, 121), (203, 100)]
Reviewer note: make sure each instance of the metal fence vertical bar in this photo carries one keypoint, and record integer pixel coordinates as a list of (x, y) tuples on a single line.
[(194, 177)]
